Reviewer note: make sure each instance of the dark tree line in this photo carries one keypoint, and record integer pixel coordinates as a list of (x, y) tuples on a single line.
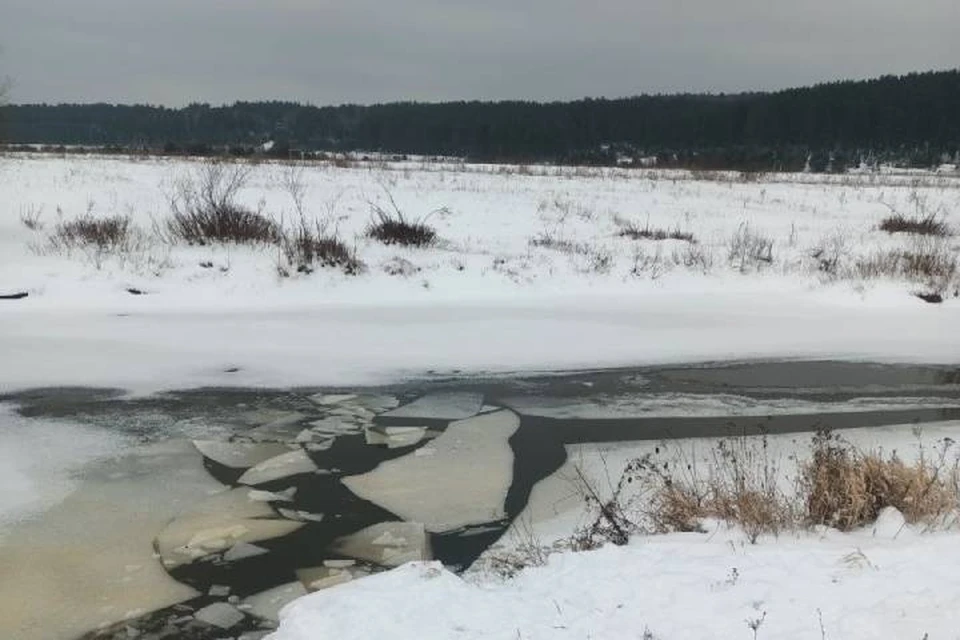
[(912, 119)]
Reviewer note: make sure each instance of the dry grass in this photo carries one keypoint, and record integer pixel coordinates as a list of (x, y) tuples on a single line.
[(928, 225), (30, 217), (749, 249), (742, 484), (741, 488), (845, 488), (646, 232), (930, 262), (545, 240)]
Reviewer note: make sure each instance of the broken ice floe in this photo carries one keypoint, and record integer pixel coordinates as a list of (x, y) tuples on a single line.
[(334, 426), (220, 614), (242, 551), (377, 403), (465, 481), (217, 525), (389, 544), (283, 466), (273, 496), (302, 516), (239, 455), (440, 406), (284, 429), (394, 437), (332, 573), (267, 604)]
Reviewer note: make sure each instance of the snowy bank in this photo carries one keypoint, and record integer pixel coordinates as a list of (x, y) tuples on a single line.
[(530, 272), (886, 581)]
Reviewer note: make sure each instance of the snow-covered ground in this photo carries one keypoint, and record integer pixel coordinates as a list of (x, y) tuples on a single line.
[(530, 273), (887, 580), (884, 582), (486, 298)]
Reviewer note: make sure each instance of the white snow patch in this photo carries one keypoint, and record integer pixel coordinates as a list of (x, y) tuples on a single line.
[(861, 585)]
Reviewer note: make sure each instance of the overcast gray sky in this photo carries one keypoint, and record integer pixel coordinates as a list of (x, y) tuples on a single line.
[(174, 52)]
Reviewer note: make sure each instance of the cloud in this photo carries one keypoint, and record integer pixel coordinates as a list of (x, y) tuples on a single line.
[(335, 51)]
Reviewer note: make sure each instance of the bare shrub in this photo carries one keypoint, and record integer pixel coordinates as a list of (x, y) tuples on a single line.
[(393, 227), (611, 522), (109, 233), (308, 247), (293, 184), (928, 225), (524, 550), (749, 249), (99, 239), (30, 218), (646, 232), (205, 210), (845, 488)]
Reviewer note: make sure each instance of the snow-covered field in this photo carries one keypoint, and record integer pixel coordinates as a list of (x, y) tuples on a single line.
[(530, 274), (488, 297)]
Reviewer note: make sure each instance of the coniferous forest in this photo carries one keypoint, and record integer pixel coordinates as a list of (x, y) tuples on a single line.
[(911, 120)]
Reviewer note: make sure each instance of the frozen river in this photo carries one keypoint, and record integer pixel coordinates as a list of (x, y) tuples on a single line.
[(199, 513)]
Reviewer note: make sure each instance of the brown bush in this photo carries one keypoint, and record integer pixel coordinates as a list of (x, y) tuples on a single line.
[(845, 488), (839, 486)]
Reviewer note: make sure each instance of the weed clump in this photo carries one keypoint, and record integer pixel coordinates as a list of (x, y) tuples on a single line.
[(927, 225), (925, 262), (203, 225), (646, 232), (741, 483), (307, 248), (396, 229), (845, 488), (88, 231), (749, 249), (393, 227)]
